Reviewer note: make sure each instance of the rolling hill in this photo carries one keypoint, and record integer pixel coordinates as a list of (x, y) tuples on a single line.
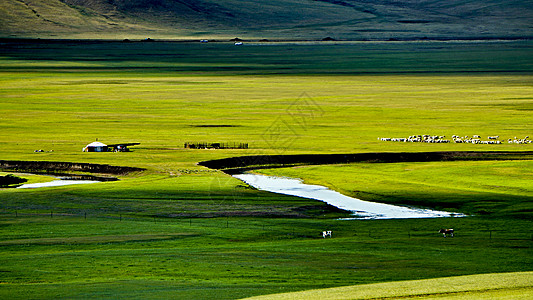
[(275, 19)]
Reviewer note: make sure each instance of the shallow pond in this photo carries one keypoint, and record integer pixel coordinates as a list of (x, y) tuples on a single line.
[(361, 209), (65, 179), (55, 183)]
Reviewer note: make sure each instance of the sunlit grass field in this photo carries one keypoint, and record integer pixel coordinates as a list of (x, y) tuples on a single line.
[(280, 98), (183, 231), (503, 286)]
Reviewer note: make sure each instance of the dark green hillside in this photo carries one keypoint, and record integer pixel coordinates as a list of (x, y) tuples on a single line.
[(282, 19)]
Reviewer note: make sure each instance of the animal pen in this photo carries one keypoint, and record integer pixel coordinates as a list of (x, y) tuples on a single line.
[(216, 145)]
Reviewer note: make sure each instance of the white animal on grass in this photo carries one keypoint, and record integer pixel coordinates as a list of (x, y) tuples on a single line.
[(326, 233)]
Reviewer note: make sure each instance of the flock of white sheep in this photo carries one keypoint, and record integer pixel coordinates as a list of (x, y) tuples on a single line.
[(474, 139)]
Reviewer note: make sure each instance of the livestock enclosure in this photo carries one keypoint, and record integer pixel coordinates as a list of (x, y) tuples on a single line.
[(206, 145), (170, 227)]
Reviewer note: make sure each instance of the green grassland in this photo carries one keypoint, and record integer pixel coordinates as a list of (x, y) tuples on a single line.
[(184, 231), (159, 93), (73, 257)]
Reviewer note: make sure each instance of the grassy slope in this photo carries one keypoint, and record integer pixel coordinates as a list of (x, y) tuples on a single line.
[(506, 285), (55, 19), (62, 96), (348, 19)]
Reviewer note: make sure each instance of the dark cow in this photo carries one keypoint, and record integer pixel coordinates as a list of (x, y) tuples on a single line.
[(446, 231)]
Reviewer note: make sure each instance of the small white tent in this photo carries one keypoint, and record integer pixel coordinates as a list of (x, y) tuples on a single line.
[(96, 147)]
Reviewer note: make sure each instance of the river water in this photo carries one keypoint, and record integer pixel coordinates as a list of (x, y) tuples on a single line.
[(65, 179), (361, 209), (55, 183)]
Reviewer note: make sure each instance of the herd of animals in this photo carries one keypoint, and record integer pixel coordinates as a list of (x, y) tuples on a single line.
[(474, 139)]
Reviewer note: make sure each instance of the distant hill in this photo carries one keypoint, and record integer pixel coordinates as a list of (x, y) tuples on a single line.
[(273, 19)]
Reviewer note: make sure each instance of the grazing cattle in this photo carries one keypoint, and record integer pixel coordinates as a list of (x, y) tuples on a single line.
[(326, 233), (446, 231)]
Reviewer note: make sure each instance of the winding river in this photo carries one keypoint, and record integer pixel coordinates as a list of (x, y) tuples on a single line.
[(295, 187), (361, 209)]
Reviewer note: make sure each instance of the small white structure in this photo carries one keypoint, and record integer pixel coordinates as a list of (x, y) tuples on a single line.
[(96, 147), (101, 147)]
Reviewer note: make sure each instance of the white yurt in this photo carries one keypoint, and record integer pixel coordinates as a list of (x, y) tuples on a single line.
[(96, 147)]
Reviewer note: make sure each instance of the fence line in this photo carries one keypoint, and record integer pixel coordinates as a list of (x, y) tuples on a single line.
[(239, 223)]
